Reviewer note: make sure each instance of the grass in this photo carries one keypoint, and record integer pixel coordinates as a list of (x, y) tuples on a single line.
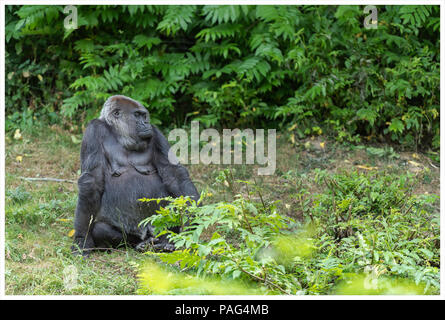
[(39, 214)]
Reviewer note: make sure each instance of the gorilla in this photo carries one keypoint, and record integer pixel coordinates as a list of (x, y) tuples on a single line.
[(124, 158)]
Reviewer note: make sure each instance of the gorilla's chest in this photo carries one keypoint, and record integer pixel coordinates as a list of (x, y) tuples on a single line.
[(120, 160), (130, 175)]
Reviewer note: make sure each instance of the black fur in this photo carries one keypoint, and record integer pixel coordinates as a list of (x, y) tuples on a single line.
[(114, 177)]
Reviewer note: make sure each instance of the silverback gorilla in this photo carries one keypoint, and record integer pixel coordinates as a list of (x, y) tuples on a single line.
[(124, 158)]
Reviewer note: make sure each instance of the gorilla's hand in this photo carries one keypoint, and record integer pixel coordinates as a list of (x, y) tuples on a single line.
[(82, 246), (155, 244)]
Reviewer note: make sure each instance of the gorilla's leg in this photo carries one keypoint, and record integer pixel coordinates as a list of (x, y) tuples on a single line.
[(106, 236), (88, 205)]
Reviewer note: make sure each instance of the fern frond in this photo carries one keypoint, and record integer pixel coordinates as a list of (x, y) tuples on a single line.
[(415, 15), (71, 105), (198, 63), (142, 40), (107, 13), (220, 31), (222, 13), (84, 45), (269, 50), (176, 18), (282, 20), (89, 59), (32, 16)]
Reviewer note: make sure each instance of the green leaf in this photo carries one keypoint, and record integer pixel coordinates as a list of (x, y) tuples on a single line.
[(396, 126)]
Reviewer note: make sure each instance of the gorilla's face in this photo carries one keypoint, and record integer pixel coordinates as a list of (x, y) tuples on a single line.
[(143, 126), (133, 120)]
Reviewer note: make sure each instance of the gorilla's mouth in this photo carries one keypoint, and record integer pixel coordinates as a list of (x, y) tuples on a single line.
[(145, 134)]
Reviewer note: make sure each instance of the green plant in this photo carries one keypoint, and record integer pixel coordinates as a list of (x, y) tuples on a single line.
[(232, 65), (18, 195), (387, 152), (376, 222), (361, 228), (251, 226)]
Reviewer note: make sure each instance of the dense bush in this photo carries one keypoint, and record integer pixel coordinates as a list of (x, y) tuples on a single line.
[(364, 234), (262, 66)]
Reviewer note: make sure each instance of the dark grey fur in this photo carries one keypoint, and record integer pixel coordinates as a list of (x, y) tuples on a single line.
[(124, 158)]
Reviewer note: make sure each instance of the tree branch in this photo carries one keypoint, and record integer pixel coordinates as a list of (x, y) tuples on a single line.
[(48, 179)]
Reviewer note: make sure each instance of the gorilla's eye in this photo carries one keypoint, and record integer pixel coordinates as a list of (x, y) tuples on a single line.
[(140, 115), (116, 113)]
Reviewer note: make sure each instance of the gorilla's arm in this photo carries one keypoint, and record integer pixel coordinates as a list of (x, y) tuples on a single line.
[(90, 183), (174, 176)]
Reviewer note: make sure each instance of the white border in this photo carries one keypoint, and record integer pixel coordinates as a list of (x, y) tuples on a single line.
[(222, 2), (185, 298), (2, 151)]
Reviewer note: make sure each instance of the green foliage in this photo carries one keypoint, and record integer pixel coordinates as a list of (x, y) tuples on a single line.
[(252, 230), (18, 195), (373, 223), (22, 210), (364, 234), (227, 65), (387, 152)]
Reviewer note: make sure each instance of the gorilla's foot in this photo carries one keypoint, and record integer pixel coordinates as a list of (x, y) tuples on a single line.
[(164, 247), (154, 244), (85, 252), (82, 246), (146, 244)]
